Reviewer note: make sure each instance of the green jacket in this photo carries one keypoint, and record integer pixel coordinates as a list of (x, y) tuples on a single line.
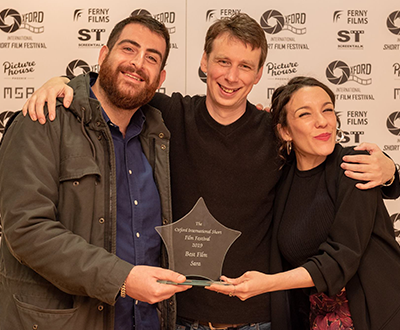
[(58, 268)]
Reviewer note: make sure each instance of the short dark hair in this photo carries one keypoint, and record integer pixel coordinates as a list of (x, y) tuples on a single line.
[(147, 21), (282, 96), (242, 27)]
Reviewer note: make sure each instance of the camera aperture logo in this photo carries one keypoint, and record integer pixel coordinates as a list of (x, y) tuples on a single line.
[(339, 73), (11, 21), (166, 17), (76, 67), (273, 22), (393, 127), (391, 21), (393, 26)]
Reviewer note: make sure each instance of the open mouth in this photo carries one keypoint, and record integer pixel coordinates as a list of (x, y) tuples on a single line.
[(228, 90), (135, 77)]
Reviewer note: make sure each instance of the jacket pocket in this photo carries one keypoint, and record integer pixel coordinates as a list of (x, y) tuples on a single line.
[(80, 196), (75, 168), (33, 316)]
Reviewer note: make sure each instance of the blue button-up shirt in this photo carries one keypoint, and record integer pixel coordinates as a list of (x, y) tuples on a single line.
[(138, 212)]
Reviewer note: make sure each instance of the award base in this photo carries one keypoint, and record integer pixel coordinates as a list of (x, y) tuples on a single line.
[(195, 282)]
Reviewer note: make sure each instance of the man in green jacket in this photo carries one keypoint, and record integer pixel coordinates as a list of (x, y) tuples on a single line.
[(65, 260)]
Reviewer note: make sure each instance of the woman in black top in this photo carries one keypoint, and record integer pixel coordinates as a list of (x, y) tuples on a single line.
[(329, 237)]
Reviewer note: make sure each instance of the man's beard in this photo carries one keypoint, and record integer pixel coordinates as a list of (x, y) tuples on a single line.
[(127, 98)]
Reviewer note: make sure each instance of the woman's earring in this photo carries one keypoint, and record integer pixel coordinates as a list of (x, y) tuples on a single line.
[(288, 147)]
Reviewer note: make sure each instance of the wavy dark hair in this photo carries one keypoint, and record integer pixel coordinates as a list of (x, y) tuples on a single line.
[(281, 97)]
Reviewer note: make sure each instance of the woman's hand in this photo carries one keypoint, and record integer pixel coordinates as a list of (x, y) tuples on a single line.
[(253, 283), (248, 285)]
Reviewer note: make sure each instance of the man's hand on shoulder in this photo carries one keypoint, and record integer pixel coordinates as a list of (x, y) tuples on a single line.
[(55, 87), (259, 106), (375, 168)]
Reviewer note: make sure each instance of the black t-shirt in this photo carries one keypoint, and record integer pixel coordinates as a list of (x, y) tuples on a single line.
[(235, 169)]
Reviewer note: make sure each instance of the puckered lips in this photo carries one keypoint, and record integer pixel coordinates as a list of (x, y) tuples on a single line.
[(323, 136)]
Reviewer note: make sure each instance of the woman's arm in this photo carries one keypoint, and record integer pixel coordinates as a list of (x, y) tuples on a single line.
[(253, 283)]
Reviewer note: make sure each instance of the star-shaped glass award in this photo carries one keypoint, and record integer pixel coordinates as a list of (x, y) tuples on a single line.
[(197, 245)]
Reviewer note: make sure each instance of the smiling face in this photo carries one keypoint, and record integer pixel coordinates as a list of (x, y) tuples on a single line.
[(311, 126), (232, 69), (130, 72)]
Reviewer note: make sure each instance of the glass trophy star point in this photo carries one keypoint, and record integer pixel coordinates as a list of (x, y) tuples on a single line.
[(197, 244)]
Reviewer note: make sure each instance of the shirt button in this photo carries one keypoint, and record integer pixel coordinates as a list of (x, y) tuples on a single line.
[(76, 183), (137, 235), (161, 135), (135, 202), (100, 308), (165, 221), (35, 327), (130, 172), (101, 220), (163, 147)]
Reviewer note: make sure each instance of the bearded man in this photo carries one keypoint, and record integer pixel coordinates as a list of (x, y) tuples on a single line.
[(80, 198)]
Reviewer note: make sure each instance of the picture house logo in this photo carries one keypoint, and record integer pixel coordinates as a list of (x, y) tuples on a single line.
[(12, 69), (167, 18), (273, 22), (281, 69), (338, 72), (390, 22), (11, 21)]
